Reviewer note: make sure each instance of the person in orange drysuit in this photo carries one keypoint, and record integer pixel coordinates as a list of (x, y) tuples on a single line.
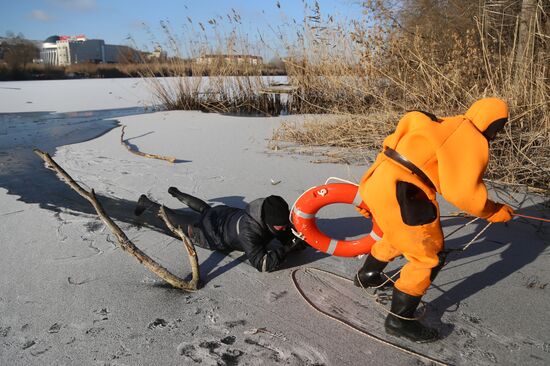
[(423, 156)]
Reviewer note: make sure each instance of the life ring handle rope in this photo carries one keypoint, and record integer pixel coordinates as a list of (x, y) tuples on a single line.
[(340, 180)]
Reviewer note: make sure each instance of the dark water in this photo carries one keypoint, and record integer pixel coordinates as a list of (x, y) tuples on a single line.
[(23, 173), (21, 132)]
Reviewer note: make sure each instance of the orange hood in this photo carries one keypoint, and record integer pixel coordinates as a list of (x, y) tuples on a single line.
[(486, 111)]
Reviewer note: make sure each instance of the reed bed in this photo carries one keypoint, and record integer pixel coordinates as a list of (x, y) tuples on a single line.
[(214, 70), (367, 76), (362, 74)]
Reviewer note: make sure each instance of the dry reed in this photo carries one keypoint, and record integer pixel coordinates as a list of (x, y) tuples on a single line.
[(216, 74), (366, 76), (364, 73)]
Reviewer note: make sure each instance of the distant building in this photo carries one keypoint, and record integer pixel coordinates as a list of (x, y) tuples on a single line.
[(157, 55), (67, 50), (229, 59)]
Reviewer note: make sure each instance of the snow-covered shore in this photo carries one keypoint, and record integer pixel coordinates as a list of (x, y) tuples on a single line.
[(69, 295)]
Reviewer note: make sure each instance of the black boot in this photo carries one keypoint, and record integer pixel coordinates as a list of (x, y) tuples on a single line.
[(370, 275), (194, 203), (404, 305), (143, 204)]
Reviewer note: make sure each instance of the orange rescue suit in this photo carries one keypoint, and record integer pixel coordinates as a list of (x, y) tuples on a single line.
[(453, 153)]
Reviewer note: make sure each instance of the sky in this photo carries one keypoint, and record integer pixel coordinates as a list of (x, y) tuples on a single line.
[(116, 20)]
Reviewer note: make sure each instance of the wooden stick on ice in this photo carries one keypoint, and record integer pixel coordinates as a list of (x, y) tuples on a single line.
[(146, 155), (188, 246), (125, 243)]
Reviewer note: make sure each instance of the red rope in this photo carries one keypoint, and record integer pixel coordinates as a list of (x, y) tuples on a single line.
[(532, 217)]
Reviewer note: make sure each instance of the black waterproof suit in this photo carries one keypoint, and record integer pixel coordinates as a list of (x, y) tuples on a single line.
[(229, 228)]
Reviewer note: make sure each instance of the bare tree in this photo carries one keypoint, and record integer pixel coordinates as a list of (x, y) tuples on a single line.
[(525, 40), (18, 55)]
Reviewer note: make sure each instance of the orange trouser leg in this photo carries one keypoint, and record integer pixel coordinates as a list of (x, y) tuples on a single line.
[(384, 251), (419, 245), (421, 258)]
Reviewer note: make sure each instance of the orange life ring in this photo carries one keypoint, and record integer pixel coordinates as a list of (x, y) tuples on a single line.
[(309, 203)]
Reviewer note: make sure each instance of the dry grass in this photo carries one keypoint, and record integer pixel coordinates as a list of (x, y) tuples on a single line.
[(230, 87), (343, 131), (85, 70), (178, 67), (367, 76), (220, 92), (363, 74)]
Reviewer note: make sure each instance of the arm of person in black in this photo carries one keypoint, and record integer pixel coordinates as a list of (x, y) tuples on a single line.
[(255, 246)]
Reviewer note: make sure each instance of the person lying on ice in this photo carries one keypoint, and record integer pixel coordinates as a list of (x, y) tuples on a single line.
[(423, 156), (228, 228)]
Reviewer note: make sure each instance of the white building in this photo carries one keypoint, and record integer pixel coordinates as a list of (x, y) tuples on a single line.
[(66, 50), (211, 59), (157, 54)]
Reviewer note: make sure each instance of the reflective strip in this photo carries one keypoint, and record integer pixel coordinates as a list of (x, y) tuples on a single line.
[(264, 263), (238, 221), (357, 200), (332, 246), (303, 214), (374, 236)]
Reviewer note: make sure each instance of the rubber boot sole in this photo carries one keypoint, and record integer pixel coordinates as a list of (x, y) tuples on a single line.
[(398, 334), (142, 205)]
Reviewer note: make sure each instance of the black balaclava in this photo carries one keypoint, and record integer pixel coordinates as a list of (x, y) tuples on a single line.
[(275, 212)]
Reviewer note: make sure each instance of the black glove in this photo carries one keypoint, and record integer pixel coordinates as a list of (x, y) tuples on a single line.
[(295, 244), (281, 253)]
